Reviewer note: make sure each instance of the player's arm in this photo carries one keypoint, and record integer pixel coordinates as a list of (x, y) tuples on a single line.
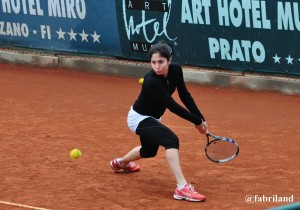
[(185, 95), (160, 92), (174, 107)]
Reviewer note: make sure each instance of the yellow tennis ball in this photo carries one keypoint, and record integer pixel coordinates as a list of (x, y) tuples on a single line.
[(75, 153), (141, 80)]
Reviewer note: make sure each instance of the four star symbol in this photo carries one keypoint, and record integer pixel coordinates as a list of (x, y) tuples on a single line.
[(84, 35)]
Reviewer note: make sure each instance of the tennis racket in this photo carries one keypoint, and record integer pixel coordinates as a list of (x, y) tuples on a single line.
[(220, 149)]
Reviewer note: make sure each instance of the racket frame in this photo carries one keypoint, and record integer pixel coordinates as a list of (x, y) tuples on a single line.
[(220, 138)]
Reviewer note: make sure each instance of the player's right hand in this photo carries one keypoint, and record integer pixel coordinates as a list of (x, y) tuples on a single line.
[(202, 128)]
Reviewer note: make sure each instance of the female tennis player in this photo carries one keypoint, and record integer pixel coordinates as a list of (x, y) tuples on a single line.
[(144, 119)]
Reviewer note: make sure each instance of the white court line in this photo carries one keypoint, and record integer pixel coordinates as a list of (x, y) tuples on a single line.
[(21, 205)]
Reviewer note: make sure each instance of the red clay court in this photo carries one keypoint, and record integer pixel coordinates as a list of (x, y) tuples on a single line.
[(44, 113)]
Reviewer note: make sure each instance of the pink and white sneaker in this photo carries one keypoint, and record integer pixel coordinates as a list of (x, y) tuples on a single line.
[(130, 167), (188, 193)]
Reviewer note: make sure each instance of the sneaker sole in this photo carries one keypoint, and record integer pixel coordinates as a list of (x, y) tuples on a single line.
[(177, 197), (124, 171)]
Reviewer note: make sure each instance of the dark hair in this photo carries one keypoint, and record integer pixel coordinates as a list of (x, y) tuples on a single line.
[(162, 48)]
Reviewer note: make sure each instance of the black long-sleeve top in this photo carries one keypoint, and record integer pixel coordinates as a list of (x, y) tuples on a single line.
[(156, 96)]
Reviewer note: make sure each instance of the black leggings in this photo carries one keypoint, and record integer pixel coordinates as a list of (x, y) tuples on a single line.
[(153, 134)]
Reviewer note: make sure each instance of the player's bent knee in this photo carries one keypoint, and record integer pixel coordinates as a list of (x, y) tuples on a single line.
[(147, 154), (172, 144)]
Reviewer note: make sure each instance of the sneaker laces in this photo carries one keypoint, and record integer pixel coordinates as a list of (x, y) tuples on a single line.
[(191, 188), (129, 165), (117, 161)]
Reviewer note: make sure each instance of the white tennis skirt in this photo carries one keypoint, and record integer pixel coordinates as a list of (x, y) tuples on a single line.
[(134, 118)]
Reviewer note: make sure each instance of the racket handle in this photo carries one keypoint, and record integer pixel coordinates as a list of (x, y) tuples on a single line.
[(209, 134)]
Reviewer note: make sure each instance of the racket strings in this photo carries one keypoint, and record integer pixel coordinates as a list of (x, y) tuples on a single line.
[(220, 150)]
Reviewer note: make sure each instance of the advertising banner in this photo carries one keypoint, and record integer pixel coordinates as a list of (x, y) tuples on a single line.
[(78, 26), (243, 35)]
